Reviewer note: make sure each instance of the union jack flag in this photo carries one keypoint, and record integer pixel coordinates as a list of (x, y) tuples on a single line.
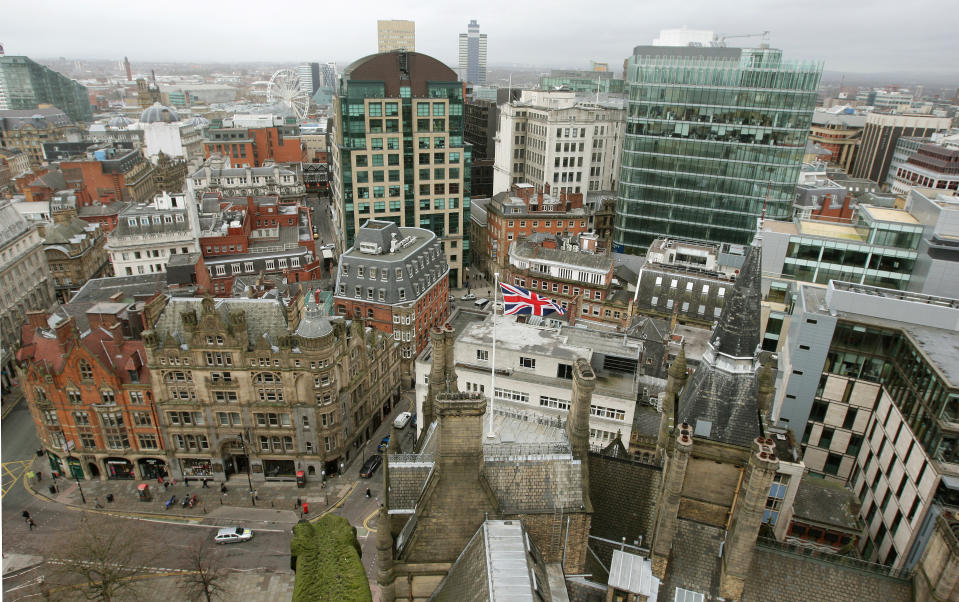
[(518, 300)]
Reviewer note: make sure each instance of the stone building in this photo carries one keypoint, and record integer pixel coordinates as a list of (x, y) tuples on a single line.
[(75, 252), (284, 182), (170, 173), (89, 393), (109, 175), (463, 475), (149, 234), (26, 283), (265, 387), (27, 129)]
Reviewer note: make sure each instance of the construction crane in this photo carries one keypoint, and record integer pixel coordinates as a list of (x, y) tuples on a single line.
[(722, 39)]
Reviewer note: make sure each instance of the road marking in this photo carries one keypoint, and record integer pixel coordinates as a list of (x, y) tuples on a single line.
[(366, 526), (11, 406), (336, 505), (14, 469)]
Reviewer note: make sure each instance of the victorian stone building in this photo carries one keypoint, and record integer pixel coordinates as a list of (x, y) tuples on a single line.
[(75, 251), (266, 387)]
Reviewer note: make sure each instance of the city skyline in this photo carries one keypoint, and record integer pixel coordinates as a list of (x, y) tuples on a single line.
[(880, 39)]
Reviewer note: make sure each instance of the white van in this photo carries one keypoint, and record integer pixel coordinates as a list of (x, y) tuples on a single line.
[(481, 302)]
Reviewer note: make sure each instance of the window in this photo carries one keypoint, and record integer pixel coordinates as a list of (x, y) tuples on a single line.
[(527, 362), (564, 371), (147, 441), (482, 355), (552, 402), (86, 372)]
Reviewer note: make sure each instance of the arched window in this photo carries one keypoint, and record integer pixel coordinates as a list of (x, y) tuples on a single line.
[(86, 371)]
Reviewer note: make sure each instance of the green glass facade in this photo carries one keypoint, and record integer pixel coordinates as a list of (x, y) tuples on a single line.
[(25, 84), (713, 135)]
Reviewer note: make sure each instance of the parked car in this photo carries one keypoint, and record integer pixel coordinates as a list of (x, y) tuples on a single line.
[(481, 302), (370, 466), (468, 297), (402, 420), (384, 443), (233, 535)]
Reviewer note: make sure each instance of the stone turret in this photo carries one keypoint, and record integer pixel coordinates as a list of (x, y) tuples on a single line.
[(437, 375), (384, 555), (577, 421), (666, 519), (676, 380), (747, 517), (449, 367), (460, 432)]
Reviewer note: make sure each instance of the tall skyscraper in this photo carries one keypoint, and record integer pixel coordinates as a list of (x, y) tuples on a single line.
[(713, 136), (309, 74), (329, 75), (398, 152), (473, 55), (25, 84), (396, 35)]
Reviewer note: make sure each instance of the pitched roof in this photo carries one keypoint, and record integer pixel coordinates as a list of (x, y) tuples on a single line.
[(738, 330), (721, 406)]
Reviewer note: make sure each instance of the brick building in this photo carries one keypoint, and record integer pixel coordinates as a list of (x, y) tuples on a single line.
[(397, 281), (579, 280), (525, 210), (250, 235), (266, 387), (253, 146), (88, 391), (111, 175)]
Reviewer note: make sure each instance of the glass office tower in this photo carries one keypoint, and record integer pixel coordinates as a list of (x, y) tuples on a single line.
[(713, 135), (25, 84), (398, 152)]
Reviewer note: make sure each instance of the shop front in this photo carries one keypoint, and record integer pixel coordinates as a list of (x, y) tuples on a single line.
[(75, 467), (196, 467), (152, 468), (279, 470), (56, 465), (119, 469)]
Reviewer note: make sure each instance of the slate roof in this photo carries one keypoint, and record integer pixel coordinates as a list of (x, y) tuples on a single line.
[(527, 249), (264, 317), (721, 406), (738, 329), (131, 288), (15, 119), (720, 399), (64, 233)]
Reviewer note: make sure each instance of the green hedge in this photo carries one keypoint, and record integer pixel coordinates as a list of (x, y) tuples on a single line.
[(326, 558)]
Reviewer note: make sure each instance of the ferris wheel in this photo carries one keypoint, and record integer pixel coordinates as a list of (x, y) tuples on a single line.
[(285, 89)]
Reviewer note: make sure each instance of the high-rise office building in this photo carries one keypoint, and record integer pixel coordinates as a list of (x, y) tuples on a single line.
[(880, 136), (473, 55), (25, 84), (309, 74), (396, 35), (329, 75), (398, 152), (713, 136)]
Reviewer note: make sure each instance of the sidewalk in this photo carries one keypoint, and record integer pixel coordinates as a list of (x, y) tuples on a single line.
[(9, 400)]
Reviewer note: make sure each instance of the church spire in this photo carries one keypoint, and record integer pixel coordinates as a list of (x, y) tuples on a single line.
[(737, 332)]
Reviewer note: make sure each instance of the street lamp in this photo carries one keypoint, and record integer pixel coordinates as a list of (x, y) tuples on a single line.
[(249, 476), (77, 479)]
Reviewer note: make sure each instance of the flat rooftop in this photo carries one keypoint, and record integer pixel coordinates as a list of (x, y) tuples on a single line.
[(830, 230), (884, 214)]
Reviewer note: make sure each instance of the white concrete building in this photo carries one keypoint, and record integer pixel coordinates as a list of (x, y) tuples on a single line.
[(534, 373), (283, 182), (551, 137), (148, 234)]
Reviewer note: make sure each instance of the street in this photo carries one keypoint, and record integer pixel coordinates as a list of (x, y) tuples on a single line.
[(169, 539)]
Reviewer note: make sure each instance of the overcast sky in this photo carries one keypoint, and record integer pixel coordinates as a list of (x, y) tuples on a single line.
[(852, 35)]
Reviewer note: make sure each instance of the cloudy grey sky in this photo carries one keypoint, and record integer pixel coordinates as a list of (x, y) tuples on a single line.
[(850, 35)]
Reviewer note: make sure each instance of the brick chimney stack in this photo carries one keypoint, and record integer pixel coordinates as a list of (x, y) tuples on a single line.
[(37, 319), (65, 330)]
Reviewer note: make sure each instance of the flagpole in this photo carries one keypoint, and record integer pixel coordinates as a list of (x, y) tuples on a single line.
[(492, 377)]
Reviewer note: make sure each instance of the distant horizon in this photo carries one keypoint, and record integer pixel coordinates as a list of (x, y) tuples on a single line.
[(853, 37)]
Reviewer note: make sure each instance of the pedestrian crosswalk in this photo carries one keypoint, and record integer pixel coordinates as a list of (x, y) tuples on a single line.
[(13, 471)]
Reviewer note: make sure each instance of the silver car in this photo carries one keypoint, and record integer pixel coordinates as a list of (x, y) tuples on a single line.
[(233, 535)]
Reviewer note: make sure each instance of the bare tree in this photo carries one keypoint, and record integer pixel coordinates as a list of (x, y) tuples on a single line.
[(106, 555), (205, 579)]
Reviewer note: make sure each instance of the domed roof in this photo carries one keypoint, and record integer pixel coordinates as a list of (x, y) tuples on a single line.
[(119, 122), (159, 114)]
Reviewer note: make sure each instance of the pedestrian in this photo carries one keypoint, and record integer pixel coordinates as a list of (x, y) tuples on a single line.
[(160, 480), (205, 485), (223, 488), (298, 502), (174, 481), (368, 494), (31, 523), (39, 475), (26, 515), (166, 485)]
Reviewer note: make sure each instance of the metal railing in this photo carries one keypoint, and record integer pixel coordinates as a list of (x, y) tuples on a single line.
[(833, 558)]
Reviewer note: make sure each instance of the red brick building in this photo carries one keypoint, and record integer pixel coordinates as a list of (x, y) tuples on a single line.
[(115, 175), (89, 394), (524, 210), (252, 146), (253, 235), (397, 281)]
